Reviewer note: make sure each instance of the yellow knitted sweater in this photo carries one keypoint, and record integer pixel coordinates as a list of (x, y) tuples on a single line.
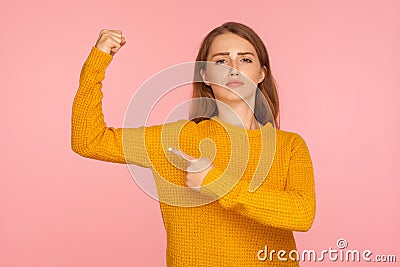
[(201, 231)]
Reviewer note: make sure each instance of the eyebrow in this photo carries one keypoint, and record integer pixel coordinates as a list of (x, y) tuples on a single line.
[(227, 54)]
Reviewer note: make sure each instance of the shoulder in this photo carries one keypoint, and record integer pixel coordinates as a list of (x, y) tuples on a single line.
[(291, 141)]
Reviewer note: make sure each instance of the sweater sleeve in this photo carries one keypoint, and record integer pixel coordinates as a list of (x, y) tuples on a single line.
[(90, 137), (290, 209)]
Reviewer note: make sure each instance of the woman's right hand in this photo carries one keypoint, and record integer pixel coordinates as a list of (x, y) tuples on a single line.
[(110, 41)]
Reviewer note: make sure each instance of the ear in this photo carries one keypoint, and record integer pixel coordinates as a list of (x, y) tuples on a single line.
[(203, 76), (263, 74)]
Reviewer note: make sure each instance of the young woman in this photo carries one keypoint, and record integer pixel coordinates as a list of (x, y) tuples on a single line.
[(232, 186)]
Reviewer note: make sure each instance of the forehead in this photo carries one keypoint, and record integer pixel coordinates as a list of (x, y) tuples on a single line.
[(230, 42)]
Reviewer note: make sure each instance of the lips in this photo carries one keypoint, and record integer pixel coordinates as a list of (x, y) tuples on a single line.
[(234, 83)]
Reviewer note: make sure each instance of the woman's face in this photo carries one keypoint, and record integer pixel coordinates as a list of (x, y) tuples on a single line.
[(233, 70)]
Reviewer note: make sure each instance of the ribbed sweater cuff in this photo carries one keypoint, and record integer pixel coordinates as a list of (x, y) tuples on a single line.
[(98, 59)]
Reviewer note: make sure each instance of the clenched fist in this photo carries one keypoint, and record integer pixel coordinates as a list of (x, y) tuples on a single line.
[(110, 41)]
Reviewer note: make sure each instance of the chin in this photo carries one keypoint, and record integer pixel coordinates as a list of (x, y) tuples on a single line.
[(227, 96)]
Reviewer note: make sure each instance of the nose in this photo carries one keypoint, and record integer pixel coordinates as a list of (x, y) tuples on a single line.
[(233, 71)]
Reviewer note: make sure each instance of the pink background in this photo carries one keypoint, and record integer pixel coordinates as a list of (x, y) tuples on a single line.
[(337, 67)]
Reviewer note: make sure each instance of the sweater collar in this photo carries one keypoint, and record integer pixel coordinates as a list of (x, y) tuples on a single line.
[(241, 130)]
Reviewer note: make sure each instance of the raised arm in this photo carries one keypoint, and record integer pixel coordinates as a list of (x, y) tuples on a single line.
[(90, 137), (290, 209)]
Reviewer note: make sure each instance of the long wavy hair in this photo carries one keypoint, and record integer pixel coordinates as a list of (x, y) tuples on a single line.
[(202, 110)]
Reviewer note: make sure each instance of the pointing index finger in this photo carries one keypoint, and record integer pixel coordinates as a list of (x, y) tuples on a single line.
[(182, 154)]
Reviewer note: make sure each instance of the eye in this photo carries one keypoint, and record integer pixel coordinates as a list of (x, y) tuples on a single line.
[(220, 61), (247, 60)]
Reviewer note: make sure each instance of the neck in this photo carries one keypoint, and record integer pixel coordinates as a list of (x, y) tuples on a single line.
[(239, 114)]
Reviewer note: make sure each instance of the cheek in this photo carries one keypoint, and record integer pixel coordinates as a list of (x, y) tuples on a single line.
[(217, 74), (252, 75), (252, 72)]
